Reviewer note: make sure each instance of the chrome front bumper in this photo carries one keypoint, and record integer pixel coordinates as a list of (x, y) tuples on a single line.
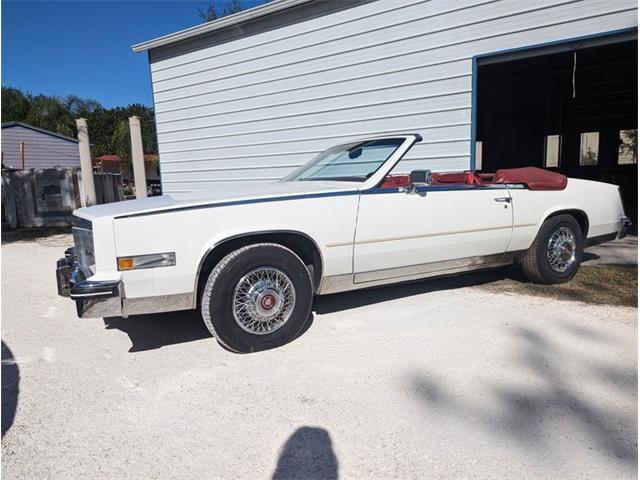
[(93, 298)]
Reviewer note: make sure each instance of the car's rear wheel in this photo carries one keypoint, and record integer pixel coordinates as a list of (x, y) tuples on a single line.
[(258, 297), (556, 253)]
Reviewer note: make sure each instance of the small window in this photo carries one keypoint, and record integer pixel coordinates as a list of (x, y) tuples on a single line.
[(628, 147), (479, 155), (589, 148), (552, 151)]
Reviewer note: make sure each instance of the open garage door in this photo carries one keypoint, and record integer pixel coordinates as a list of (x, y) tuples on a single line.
[(569, 107)]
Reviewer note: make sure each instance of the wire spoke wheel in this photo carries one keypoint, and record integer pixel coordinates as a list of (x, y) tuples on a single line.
[(561, 249), (263, 300)]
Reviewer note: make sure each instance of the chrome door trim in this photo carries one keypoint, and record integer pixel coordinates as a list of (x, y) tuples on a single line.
[(427, 235), (346, 282)]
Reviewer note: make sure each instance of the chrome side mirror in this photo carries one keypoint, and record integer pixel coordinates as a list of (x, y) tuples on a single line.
[(418, 178)]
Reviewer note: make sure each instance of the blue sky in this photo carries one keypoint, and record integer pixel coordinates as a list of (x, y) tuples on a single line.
[(84, 47)]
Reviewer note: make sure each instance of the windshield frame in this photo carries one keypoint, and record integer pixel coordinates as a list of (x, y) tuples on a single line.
[(408, 140)]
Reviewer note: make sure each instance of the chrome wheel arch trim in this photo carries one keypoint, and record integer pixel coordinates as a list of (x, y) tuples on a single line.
[(565, 210), (251, 234)]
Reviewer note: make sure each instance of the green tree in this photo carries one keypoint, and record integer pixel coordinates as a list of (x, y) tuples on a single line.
[(15, 105), (81, 107), (51, 113), (58, 114), (121, 144)]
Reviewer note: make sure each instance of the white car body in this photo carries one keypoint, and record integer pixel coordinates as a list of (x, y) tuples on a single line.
[(364, 235)]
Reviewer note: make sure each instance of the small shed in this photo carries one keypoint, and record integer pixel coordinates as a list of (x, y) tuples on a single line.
[(42, 148)]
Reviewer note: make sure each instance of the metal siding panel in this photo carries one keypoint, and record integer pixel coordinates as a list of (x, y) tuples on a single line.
[(41, 150), (257, 107)]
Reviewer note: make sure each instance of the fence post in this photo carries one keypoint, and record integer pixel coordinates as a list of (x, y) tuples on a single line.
[(22, 156), (137, 157), (85, 162)]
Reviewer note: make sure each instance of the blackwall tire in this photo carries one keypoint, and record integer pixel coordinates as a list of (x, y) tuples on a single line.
[(556, 253), (258, 297)]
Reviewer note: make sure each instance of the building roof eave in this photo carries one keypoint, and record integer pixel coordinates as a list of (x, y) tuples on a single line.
[(224, 22), (38, 129)]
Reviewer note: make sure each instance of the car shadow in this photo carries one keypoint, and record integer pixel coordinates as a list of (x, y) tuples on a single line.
[(586, 256), (10, 388), (153, 331), (360, 298)]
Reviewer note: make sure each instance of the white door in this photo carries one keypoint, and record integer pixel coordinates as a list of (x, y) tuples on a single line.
[(439, 228)]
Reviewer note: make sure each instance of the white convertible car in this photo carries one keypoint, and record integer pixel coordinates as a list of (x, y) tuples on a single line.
[(253, 260)]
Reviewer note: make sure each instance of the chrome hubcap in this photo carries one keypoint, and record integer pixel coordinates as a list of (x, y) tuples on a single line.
[(561, 250), (263, 300)]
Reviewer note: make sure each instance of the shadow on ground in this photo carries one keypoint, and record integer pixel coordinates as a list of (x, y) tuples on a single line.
[(149, 332), (523, 414), (307, 454), (600, 284), (38, 234), (10, 388), (360, 298)]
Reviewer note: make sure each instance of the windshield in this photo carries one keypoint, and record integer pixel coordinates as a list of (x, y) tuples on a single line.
[(353, 162)]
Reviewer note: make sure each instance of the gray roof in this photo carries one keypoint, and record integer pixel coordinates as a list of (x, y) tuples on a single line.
[(224, 22), (38, 129)]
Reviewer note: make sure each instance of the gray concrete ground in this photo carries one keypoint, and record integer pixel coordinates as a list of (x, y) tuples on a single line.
[(438, 379)]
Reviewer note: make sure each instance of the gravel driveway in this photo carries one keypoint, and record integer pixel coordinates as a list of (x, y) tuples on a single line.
[(439, 379)]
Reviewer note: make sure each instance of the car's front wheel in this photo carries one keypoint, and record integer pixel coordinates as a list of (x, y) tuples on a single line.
[(556, 252), (258, 297)]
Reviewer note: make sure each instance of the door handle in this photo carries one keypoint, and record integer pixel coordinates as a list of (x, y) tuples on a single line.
[(502, 199)]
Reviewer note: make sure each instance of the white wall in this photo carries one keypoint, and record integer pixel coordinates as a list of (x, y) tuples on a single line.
[(256, 107)]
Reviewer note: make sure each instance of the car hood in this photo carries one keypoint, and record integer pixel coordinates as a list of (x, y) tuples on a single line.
[(227, 193)]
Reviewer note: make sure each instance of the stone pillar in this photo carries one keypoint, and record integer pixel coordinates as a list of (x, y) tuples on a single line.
[(86, 166), (137, 158)]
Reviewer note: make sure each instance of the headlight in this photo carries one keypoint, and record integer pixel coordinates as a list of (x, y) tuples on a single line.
[(153, 260)]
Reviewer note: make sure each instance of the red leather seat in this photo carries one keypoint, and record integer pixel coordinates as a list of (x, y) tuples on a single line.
[(448, 178), (462, 178), (398, 181), (456, 178), (533, 177)]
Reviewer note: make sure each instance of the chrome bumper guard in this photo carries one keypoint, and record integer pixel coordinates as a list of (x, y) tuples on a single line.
[(93, 298), (625, 223)]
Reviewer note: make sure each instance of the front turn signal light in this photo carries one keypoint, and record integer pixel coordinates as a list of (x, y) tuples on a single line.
[(125, 263), (152, 260)]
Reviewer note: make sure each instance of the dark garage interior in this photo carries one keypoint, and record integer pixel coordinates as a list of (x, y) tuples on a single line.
[(571, 108)]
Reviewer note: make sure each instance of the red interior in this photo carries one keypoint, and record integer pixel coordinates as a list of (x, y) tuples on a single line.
[(396, 181), (534, 178)]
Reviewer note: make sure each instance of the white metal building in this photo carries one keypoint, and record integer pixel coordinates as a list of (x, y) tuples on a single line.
[(251, 96)]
